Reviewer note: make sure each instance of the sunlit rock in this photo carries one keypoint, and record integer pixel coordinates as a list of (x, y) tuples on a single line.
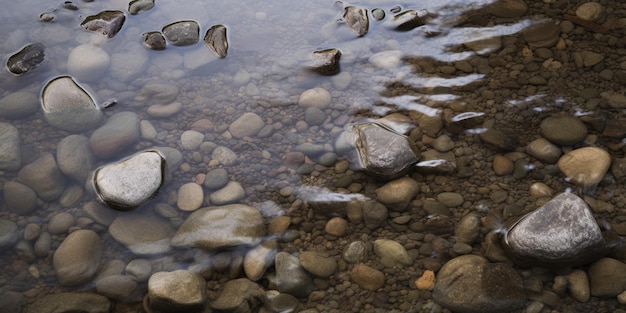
[(325, 62), (561, 232), (88, 62), (67, 106), (217, 40), (586, 166), (26, 59), (357, 20), (127, 184), (77, 259), (182, 33), (136, 6), (154, 40), (106, 23), (177, 291)]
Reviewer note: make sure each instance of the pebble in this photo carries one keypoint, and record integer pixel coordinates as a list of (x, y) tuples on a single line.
[(355, 252), (31, 231), (88, 62), (8, 234), (591, 58), (508, 9), (316, 264), (224, 156), (164, 110), (426, 281), (19, 198), (60, 223), (543, 34), (590, 11), (70, 302), (18, 105), (336, 226), (42, 245), (316, 97), (468, 229), (290, 277), (238, 295), (139, 270), (191, 139), (190, 197), (216, 179), (389, 59), (278, 225), (499, 139), (367, 278), (231, 193), (75, 158), (77, 259), (118, 287), (182, 33), (393, 251), (607, 277), (540, 190), (450, 199), (176, 291), (10, 148), (141, 234), (502, 165), (120, 131), (397, 194), (258, 259), (44, 177), (127, 65), (247, 125), (585, 166), (374, 214), (563, 130), (578, 284), (544, 150)]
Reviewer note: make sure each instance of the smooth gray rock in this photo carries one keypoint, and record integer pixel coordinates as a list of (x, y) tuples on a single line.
[(18, 104), (19, 198), (224, 155), (177, 291), (42, 245), (139, 269), (120, 131), (141, 234), (118, 287), (88, 62), (248, 124), (128, 64), (182, 33), (44, 177), (71, 302), (8, 234), (154, 40), (128, 183), (75, 158), (544, 150), (221, 227), (60, 223), (561, 232), (27, 59), (67, 106), (216, 178), (290, 277), (77, 259), (137, 6), (231, 193), (10, 148), (325, 62)]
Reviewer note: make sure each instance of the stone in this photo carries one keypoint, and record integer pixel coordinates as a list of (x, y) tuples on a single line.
[(18, 105), (106, 23), (217, 40), (77, 259), (191, 139), (290, 277), (43, 177), (563, 130), (247, 125), (607, 277), (70, 302), (154, 40), (544, 150), (137, 6), (27, 59), (139, 270), (128, 64), (590, 11), (561, 232), (239, 295), (355, 252), (388, 59), (118, 287), (164, 110), (468, 229), (543, 34), (540, 190), (325, 62), (586, 166), (220, 227), (357, 19), (336, 226), (190, 197), (177, 291), (470, 284), (408, 20), (10, 148), (367, 278), (507, 8), (8, 234), (61, 223), (316, 264), (374, 214), (42, 245), (141, 234), (224, 156), (216, 178), (119, 132), (258, 259), (157, 93), (499, 139), (130, 182), (450, 199), (426, 281), (393, 251), (75, 158), (397, 194), (578, 284), (67, 106), (88, 62), (19, 198), (231, 193), (591, 58), (316, 97), (314, 116), (182, 33)]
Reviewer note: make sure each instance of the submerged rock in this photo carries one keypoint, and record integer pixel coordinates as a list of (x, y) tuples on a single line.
[(88, 62), (357, 19), (77, 259), (44, 177), (326, 62), (154, 40), (217, 40), (26, 59), (182, 33), (18, 105), (120, 131), (142, 235), (239, 295), (177, 291), (10, 148), (136, 6), (106, 23), (561, 232), (408, 20), (71, 302), (127, 184), (67, 106)]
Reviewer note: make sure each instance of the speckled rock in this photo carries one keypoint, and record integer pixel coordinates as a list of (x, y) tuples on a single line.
[(77, 259), (67, 106), (232, 192), (586, 166), (355, 252), (190, 197), (258, 259), (182, 33), (177, 291), (397, 194)]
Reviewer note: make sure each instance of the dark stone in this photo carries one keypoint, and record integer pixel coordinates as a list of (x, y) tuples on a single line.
[(26, 59), (154, 40), (217, 40), (182, 33), (408, 20), (71, 302), (136, 6), (499, 139), (326, 62), (107, 23), (357, 20)]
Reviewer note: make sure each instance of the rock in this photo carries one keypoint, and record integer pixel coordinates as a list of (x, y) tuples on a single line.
[(60, 223), (177, 291), (502, 165), (499, 139), (290, 277), (408, 20), (224, 156), (590, 11), (614, 127), (139, 270), (578, 284), (10, 148), (247, 125), (486, 46), (506, 8), (191, 139), (141, 234), (367, 278), (118, 287), (325, 62), (389, 59), (585, 166), (88, 62), (67, 106), (316, 264), (70, 302), (190, 197), (217, 40), (378, 14), (221, 227), (282, 302), (43, 176), (336, 226), (137, 6), (127, 65), (239, 295), (544, 34), (77, 259), (468, 229), (42, 245), (397, 194), (355, 252), (314, 116), (75, 158), (182, 33), (154, 40), (231, 193), (544, 150), (426, 281), (393, 251), (18, 105), (27, 59), (157, 93), (10, 302), (19, 198), (540, 190), (216, 178), (106, 23), (450, 199), (591, 58), (130, 182), (561, 232), (607, 277), (470, 284), (316, 97), (357, 19), (120, 131), (164, 110), (8, 234), (563, 130), (374, 214), (258, 259)]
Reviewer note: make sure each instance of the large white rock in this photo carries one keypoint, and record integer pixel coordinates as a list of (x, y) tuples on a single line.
[(67, 106), (88, 62)]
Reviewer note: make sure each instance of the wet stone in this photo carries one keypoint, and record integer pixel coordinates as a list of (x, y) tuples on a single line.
[(142, 235), (60, 223), (563, 130), (217, 40), (18, 105), (499, 139), (408, 20), (128, 183), (544, 150), (378, 14), (119, 131), (367, 278), (561, 232), (450, 199), (326, 62), (27, 59), (182, 33), (10, 148), (75, 158), (585, 166), (607, 277), (578, 284), (190, 197), (224, 156), (239, 295), (232, 192), (118, 287), (77, 259), (290, 277), (316, 264), (67, 106), (374, 214), (19, 198), (106, 23), (468, 229), (216, 179), (357, 19), (247, 125), (258, 259), (137, 6), (355, 252), (164, 110), (70, 302), (42, 245), (507, 8), (393, 251), (8, 234), (336, 226), (542, 35), (397, 194), (154, 40), (88, 62), (44, 177), (316, 97), (314, 116), (128, 64), (177, 291), (191, 139), (139, 270)]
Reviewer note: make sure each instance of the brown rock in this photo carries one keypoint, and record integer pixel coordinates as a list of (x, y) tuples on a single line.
[(367, 278), (426, 281), (502, 165), (336, 226)]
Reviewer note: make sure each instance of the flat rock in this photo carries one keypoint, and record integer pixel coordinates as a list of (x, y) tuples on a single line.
[(67, 106), (585, 166), (563, 129), (77, 259), (325, 62), (357, 19), (71, 302), (75, 158), (217, 40), (44, 177), (221, 227), (18, 105), (507, 8), (88, 62), (141, 234), (10, 148), (249, 124), (177, 291), (120, 131)]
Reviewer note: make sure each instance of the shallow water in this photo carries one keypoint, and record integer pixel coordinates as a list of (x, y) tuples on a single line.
[(430, 77)]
